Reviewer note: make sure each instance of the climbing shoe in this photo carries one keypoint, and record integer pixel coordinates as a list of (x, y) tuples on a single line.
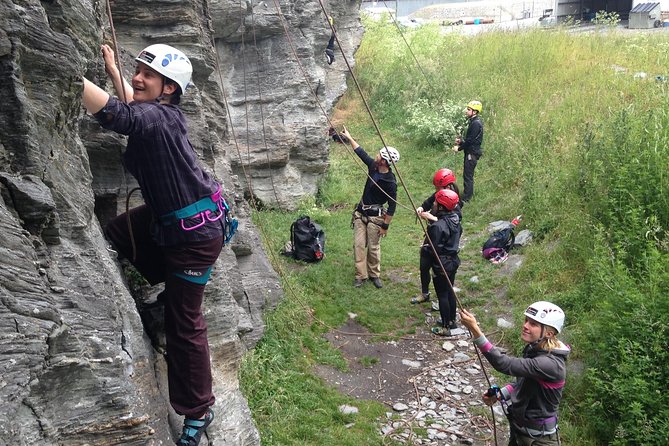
[(453, 325), (193, 429), (377, 282), (424, 297), (441, 331)]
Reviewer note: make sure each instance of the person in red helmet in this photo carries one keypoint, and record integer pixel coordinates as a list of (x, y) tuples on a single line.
[(179, 233), (531, 402), (443, 179), (444, 232)]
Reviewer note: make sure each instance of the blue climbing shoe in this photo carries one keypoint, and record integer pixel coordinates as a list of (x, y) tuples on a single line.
[(193, 429)]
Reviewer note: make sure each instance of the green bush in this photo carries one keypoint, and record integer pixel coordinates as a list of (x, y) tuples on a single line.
[(606, 18), (436, 123)]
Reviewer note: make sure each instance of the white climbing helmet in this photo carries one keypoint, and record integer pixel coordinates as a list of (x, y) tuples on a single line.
[(546, 313), (168, 61), (390, 153)]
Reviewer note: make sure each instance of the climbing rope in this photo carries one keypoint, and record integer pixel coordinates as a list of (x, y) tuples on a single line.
[(399, 29), (260, 100), (406, 190), (128, 194)]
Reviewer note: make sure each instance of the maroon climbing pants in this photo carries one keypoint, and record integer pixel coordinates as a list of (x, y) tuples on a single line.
[(188, 364)]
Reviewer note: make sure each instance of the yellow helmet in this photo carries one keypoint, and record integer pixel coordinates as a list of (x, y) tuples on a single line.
[(475, 105)]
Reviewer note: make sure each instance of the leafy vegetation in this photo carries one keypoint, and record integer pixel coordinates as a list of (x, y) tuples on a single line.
[(577, 141)]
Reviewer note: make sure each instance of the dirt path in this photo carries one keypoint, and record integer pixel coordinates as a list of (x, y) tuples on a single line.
[(431, 385)]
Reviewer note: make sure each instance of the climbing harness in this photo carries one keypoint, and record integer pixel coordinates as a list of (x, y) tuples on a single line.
[(208, 209), (371, 210)]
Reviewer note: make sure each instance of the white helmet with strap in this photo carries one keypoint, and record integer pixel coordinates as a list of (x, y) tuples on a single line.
[(390, 153), (546, 313), (168, 61)]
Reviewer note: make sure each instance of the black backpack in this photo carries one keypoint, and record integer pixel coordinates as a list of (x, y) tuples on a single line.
[(307, 240), (499, 243)]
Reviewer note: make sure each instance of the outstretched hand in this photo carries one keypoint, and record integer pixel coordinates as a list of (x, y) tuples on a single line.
[(353, 142), (110, 62), (345, 132), (469, 321)]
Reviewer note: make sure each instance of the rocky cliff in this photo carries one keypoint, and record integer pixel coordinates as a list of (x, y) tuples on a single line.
[(80, 357)]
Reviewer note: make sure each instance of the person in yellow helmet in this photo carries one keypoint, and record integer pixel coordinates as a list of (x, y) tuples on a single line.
[(471, 145)]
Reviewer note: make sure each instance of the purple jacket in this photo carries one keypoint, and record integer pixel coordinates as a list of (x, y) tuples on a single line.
[(161, 158)]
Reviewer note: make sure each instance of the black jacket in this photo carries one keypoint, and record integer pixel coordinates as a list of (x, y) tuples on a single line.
[(473, 138), (445, 235), (385, 181)]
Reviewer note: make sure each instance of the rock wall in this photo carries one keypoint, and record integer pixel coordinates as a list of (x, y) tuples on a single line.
[(80, 363)]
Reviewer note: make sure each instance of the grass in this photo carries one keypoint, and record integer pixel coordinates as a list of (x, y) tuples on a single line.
[(574, 141)]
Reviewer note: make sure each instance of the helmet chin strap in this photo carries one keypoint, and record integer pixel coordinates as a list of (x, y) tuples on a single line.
[(542, 336), (162, 96)]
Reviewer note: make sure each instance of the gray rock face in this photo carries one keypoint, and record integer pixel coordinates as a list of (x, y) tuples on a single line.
[(78, 366)]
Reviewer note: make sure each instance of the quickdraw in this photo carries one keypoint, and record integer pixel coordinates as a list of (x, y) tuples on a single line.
[(231, 222)]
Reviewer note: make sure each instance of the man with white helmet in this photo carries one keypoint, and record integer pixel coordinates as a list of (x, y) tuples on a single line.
[(471, 145), (178, 234), (531, 401), (370, 219)]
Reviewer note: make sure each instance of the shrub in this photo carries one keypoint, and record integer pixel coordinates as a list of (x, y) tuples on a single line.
[(606, 18), (436, 123)]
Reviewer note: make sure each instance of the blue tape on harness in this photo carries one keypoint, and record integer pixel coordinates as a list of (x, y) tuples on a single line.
[(206, 204)]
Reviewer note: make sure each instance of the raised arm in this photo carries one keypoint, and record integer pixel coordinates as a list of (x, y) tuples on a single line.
[(120, 84), (94, 97)]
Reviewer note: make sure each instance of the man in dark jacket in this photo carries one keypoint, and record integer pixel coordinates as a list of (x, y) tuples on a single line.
[(471, 145), (370, 219)]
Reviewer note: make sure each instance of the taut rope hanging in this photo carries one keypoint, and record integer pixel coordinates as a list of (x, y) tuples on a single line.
[(128, 194), (434, 251), (260, 100)]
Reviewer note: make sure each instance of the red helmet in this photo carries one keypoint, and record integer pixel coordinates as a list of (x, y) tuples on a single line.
[(447, 198), (443, 177)]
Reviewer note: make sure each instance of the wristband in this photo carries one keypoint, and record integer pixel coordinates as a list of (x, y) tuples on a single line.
[(385, 226)]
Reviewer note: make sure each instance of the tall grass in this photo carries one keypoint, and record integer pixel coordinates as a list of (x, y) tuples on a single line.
[(578, 143)]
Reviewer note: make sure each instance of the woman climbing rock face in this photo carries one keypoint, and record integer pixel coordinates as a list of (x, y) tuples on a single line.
[(178, 233), (531, 402)]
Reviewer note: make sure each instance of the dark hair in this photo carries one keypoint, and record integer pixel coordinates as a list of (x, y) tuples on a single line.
[(454, 188), (175, 98)]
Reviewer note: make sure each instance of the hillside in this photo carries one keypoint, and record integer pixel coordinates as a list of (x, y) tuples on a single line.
[(576, 141)]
